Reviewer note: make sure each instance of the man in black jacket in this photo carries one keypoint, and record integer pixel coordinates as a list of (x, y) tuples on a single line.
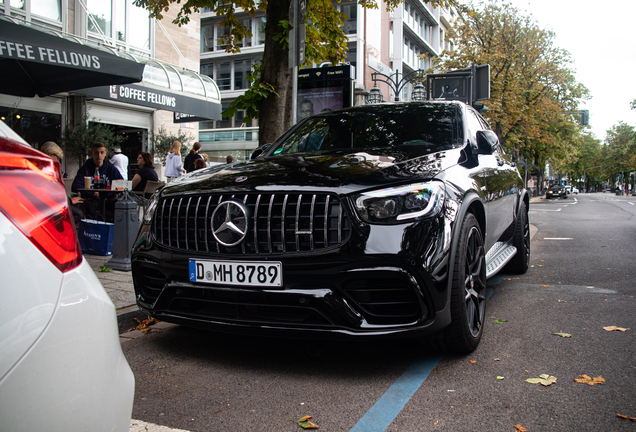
[(188, 164), (107, 172)]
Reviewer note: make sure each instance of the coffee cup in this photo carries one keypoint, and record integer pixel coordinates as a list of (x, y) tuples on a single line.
[(87, 182)]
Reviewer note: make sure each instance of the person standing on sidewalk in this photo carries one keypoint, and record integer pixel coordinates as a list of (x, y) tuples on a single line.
[(120, 161), (192, 156), (174, 167)]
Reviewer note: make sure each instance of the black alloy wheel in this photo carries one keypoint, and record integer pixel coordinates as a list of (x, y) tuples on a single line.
[(468, 298)]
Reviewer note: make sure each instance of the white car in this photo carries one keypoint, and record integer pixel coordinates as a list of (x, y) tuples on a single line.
[(61, 363), (575, 191), (571, 190)]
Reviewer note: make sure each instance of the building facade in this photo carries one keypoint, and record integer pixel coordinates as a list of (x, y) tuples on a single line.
[(402, 41), (171, 80)]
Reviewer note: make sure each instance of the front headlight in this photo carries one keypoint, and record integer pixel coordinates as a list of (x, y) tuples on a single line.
[(398, 204), (150, 209)]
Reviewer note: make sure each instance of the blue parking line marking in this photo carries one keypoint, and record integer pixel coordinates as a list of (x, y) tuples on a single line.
[(386, 409)]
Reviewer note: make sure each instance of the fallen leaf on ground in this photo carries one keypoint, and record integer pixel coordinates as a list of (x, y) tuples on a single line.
[(520, 428), (614, 328), (562, 301), (547, 286), (436, 422), (500, 377), (565, 335), (473, 361), (500, 321), (584, 379), (626, 417), (306, 424), (544, 380), (144, 325)]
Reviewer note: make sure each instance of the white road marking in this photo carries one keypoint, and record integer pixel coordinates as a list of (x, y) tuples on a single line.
[(140, 426)]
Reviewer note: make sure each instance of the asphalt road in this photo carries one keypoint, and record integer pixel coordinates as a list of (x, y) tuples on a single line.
[(583, 262)]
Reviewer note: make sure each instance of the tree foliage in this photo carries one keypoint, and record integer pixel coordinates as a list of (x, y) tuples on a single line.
[(269, 98), (161, 141), (78, 138), (532, 83)]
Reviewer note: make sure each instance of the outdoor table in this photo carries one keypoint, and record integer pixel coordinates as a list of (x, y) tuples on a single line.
[(103, 193)]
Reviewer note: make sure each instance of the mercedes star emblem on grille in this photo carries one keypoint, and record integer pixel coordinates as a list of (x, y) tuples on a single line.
[(240, 179), (229, 223)]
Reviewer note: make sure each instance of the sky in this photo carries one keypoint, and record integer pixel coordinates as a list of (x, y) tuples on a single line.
[(601, 39)]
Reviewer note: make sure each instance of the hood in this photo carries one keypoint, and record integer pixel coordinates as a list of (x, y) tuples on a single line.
[(339, 172)]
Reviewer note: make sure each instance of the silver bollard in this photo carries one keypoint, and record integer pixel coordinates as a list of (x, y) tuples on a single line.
[(125, 232)]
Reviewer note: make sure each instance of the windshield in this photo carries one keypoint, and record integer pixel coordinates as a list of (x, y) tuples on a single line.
[(556, 188), (426, 128)]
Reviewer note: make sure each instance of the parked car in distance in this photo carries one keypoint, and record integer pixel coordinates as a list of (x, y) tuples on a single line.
[(574, 190), (61, 363), (366, 222), (556, 191)]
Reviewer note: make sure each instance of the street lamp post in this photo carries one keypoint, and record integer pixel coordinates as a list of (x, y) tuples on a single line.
[(397, 84), (584, 178)]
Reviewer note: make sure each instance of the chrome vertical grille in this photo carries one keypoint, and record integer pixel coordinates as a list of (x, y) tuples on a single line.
[(280, 223)]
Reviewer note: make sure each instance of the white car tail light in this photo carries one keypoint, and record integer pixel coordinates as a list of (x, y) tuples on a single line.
[(32, 196)]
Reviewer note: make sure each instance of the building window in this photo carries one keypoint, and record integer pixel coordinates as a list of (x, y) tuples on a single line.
[(43, 13), (221, 32), (207, 37), (241, 69), (229, 75), (224, 76), (352, 54), (120, 21), (50, 9), (99, 17), (351, 11), (260, 30), (247, 41)]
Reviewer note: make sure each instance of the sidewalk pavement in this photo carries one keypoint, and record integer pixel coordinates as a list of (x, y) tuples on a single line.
[(118, 284)]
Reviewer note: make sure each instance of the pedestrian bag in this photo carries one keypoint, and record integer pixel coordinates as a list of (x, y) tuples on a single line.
[(96, 237)]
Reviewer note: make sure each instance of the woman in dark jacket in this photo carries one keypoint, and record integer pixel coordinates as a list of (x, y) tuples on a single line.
[(146, 172)]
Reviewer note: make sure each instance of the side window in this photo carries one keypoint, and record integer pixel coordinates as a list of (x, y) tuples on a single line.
[(474, 124)]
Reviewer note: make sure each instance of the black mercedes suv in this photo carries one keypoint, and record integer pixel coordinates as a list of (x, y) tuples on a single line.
[(372, 221)]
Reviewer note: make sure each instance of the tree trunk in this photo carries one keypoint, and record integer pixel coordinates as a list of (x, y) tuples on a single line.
[(275, 115)]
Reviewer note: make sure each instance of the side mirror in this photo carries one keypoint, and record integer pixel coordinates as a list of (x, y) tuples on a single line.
[(256, 153), (487, 142)]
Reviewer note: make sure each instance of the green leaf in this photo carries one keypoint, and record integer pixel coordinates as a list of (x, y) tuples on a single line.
[(500, 321), (104, 269)]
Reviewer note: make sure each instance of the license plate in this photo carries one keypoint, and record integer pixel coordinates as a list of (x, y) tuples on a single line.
[(251, 273)]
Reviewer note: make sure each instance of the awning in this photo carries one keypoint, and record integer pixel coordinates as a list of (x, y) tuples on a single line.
[(153, 96), (34, 62)]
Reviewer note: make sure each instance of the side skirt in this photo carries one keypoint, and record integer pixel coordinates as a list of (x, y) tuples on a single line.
[(498, 256)]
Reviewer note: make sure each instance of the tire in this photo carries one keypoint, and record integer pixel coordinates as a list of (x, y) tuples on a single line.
[(468, 296), (521, 240)]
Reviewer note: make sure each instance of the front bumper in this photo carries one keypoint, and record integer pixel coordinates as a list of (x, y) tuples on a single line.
[(386, 280)]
